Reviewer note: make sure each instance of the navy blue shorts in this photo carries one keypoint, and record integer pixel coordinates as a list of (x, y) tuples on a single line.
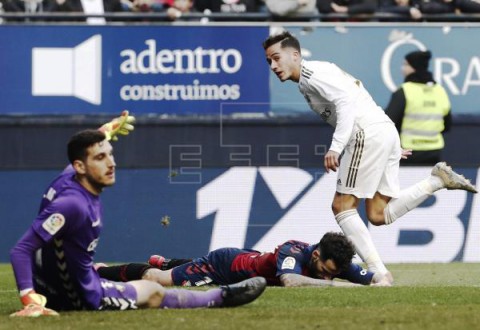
[(214, 268)]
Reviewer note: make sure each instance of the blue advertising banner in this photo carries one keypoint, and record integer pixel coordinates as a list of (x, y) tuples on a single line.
[(189, 211), (218, 69), (374, 54), (147, 69)]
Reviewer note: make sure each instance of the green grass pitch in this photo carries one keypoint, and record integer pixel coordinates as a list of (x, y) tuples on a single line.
[(425, 296)]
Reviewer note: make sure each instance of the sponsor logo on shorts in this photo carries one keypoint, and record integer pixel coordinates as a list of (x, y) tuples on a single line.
[(206, 280), (54, 223), (288, 263)]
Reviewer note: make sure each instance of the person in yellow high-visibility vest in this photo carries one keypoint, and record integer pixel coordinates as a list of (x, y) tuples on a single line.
[(420, 109)]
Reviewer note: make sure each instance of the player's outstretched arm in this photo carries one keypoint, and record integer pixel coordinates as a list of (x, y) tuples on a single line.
[(290, 280), (121, 125)]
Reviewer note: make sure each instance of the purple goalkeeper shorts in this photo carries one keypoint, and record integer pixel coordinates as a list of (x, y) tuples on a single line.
[(118, 296)]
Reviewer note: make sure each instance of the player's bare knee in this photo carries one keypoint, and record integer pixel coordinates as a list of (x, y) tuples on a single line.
[(155, 295), (376, 219), (338, 206), (162, 277), (151, 274), (155, 299), (343, 203), (149, 293), (334, 208)]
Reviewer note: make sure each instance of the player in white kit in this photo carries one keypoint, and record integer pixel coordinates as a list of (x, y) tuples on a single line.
[(365, 140)]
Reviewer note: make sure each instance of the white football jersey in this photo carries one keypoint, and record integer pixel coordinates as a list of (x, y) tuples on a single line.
[(340, 99)]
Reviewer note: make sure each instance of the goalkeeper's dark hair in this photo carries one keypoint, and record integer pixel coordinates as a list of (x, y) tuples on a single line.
[(337, 247), (81, 141), (285, 38)]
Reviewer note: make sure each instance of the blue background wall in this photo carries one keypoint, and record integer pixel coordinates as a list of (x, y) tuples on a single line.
[(371, 53), (268, 207)]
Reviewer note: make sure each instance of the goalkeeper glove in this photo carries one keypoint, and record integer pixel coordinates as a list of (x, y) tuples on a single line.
[(34, 306), (121, 125), (33, 298), (34, 311)]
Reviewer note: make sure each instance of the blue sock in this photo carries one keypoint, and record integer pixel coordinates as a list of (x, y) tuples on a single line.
[(181, 298)]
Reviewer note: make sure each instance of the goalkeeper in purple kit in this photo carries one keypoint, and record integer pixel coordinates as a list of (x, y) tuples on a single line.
[(53, 260)]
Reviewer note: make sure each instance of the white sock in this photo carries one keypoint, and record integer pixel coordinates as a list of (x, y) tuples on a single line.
[(355, 230), (411, 197)]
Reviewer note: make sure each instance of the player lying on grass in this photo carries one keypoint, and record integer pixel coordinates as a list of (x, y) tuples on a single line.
[(53, 260), (293, 263)]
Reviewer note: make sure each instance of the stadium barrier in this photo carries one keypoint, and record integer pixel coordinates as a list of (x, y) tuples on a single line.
[(379, 16), (38, 142), (193, 69)]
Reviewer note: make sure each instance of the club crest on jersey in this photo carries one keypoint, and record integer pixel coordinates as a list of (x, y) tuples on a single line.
[(288, 263), (326, 113), (54, 223)]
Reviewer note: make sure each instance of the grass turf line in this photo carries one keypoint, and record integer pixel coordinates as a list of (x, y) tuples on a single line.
[(426, 296)]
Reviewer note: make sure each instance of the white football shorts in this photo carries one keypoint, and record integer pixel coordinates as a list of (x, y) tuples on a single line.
[(370, 163)]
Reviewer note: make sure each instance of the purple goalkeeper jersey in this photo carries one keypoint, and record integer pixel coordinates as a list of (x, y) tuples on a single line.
[(64, 235)]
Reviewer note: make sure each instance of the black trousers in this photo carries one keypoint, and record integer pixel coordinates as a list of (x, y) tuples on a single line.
[(423, 158)]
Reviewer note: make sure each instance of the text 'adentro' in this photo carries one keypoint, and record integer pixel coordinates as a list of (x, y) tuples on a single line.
[(180, 61)]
